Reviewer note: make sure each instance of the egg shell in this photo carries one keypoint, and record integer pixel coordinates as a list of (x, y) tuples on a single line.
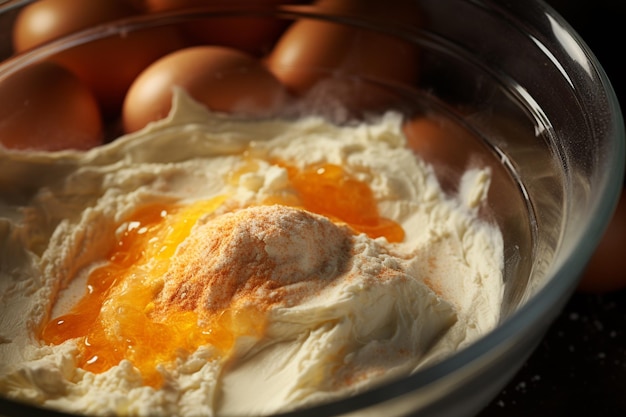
[(442, 143), (152, 6), (253, 34), (311, 50), (403, 12), (45, 20), (223, 79), (110, 65), (45, 107), (606, 271)]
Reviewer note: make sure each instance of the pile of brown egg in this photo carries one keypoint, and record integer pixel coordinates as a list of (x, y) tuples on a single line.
[(253, 65)]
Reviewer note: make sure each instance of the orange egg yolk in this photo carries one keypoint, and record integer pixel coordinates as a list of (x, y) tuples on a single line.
[(114, 321), (328, 190)]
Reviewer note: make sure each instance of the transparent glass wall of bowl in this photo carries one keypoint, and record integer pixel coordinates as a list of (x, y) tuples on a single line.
[(547, 108)]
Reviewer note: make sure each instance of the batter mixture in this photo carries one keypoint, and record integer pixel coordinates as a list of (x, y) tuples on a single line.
[(207, 265)]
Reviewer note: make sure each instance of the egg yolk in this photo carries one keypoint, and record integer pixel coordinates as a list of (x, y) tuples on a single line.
[(327, 189), (114, 321)]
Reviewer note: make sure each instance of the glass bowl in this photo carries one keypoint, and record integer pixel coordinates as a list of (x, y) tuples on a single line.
[(529, 98)]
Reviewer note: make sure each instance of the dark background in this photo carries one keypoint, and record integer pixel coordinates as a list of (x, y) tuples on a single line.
[(580, 366)]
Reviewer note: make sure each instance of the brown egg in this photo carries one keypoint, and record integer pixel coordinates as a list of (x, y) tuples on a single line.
[(45, 20), (45, 107), (108, 65), (606, 270), (452, 149), (311, 50), (166, 5), (253, 34), (223, 79), (444, 144)]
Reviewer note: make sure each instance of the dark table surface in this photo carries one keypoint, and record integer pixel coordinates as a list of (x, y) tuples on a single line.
[(578, 369), (580, 366)]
